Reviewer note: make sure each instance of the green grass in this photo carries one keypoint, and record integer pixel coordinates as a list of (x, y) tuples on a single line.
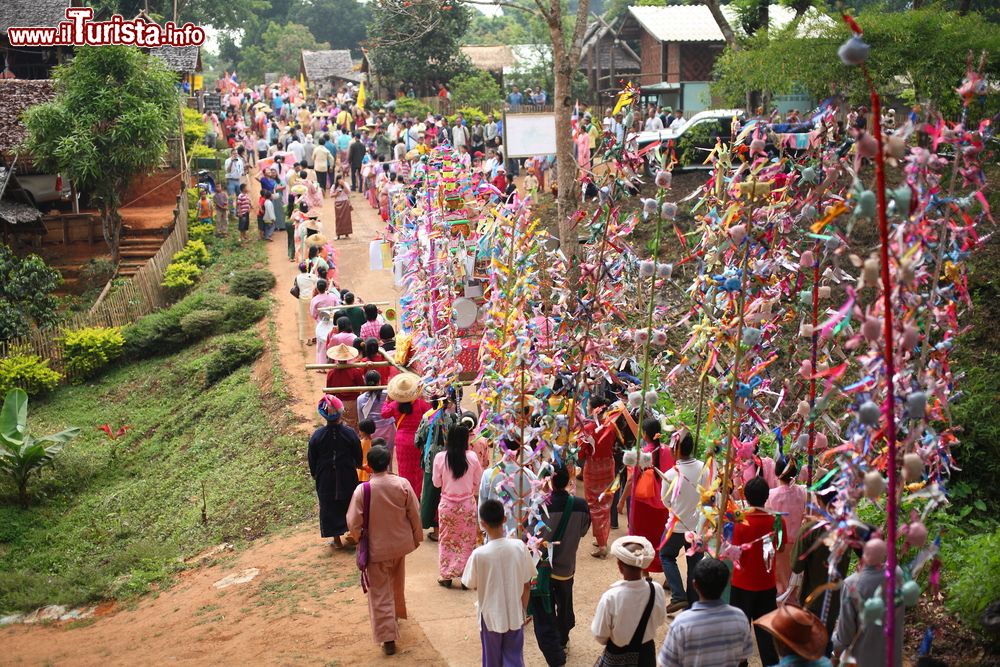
[(111, 527)]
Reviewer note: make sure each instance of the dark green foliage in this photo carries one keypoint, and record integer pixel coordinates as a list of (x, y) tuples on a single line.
[(234, 351), (163, 332), (253, 283), (972, 575), (26, 287), (241, 312), (418, 41), (201, 323)]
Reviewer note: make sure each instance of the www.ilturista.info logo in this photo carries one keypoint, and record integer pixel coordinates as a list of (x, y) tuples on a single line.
[(78, 29)]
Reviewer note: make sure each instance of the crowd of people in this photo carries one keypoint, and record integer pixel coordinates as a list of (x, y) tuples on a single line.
[(390, 463)]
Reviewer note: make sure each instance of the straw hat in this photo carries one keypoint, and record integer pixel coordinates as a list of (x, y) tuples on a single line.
[(341, 353), (405, 388), (801, 630)]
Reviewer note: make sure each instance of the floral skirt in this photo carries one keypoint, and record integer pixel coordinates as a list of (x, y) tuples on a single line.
[(456, 536)]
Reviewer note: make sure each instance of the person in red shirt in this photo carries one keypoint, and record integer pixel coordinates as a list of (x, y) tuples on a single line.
[(599, 472), (500, 181), (754, 590), (345, 377)]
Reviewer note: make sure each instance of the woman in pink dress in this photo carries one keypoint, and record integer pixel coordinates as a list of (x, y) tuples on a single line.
[(325, 298), (406, 407), (790, 499), (456, 472)]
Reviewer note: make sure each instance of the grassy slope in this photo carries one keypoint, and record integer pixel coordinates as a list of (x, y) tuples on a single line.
[(101, 527)]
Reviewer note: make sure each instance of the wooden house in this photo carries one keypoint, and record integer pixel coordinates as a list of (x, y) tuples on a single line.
[(326, 71), (34, 62)]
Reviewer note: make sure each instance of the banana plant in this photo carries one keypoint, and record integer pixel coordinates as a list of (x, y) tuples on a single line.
[(22, 454)]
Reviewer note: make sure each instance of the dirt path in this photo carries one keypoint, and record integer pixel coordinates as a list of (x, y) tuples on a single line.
[(304, 606)]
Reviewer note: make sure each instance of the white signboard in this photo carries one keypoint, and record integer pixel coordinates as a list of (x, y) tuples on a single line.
[(529, 134)]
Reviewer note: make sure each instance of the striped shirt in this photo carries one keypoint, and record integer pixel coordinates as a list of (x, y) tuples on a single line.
[(243, 204), (370, 329), (710, 634)]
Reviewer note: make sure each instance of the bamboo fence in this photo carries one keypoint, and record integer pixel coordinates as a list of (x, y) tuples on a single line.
[(119, 305)]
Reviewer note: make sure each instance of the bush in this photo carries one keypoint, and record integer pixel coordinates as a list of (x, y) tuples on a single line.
[(165, 332), (253, 283), (23, 370), (181, 276), (201, 323), (472, 114), (201, 150), (475, 88), (194, 252), (235, 351), (86, 351), (194, 129), (687, 147), (242, 312), (413, 105), (971, 565), (96, 273), (200, 232)]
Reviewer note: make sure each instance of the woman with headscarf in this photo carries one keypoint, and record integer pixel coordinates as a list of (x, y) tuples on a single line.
[(370, 407), (334, 457), (648, 515), (456, 472), (406, 407)]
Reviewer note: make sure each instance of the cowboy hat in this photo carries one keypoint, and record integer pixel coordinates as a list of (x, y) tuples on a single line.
[(800, 630), (341, 353), (405, 388)]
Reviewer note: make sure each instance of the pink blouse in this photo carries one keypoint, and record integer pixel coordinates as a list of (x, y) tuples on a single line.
[(461, 488), (790, 499)]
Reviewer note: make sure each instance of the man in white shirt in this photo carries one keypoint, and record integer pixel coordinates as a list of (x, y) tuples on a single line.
[(491, 132), (630, 612), (653, 122), (677, 122), (500, 572), (297, 149), (460, 133), (235, 167), (681, 496)]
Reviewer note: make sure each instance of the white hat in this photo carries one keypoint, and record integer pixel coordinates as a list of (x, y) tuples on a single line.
[(640, 557)]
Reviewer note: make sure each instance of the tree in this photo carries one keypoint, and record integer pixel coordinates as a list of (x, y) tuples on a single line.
[(114, 109), (26, 287), (566, 32), (923, 50), (21, 454), (475, 89), (340, 23), (417, 41), (279, 51), (221, 14)]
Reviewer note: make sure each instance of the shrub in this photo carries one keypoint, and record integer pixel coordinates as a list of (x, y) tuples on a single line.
[(201, 150), (971, 565), (200, 232), (96, 273), (235, 351), (475, 88), (195, 128), (86, 351), (253, 283), (413, 105), (181, 276), (26, 294), (158, 333), (23, 370), (194, 252), (471, 114), (241, 312), (200, 323)]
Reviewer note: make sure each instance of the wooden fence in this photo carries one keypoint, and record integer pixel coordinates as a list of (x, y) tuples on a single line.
[(119, 304)]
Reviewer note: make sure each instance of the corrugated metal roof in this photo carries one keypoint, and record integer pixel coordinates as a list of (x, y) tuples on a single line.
[(694, 23)]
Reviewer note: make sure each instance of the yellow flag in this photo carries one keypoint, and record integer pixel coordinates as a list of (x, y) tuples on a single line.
[(302, 83), (361, 95)]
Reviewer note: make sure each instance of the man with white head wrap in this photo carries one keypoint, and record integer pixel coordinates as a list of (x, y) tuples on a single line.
[(630, 612)]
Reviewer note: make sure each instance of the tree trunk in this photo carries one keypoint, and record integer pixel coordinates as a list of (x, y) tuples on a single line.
[(963, 7), (111, 225), (722, 22), (565, 161), (764, 15)]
